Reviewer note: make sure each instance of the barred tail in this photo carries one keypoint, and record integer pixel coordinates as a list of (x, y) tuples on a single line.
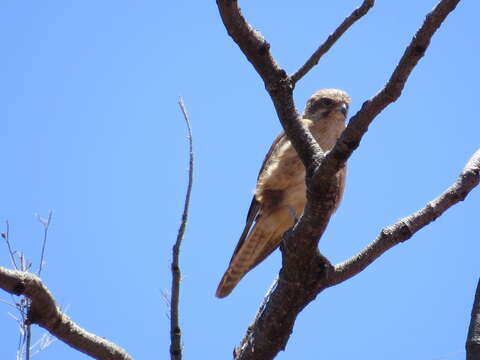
[(248, 256)]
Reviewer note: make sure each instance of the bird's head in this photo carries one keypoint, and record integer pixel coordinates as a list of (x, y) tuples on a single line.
[(327, 103)]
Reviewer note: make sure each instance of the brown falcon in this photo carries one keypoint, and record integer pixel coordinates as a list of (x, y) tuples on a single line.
[(280, 194)]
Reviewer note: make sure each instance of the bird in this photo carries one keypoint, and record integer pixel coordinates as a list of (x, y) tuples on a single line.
[(280, 194)]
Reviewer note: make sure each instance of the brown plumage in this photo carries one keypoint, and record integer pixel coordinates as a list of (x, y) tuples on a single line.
[(280, 193)]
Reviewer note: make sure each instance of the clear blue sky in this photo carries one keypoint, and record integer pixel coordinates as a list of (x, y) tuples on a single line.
[(91, 130)]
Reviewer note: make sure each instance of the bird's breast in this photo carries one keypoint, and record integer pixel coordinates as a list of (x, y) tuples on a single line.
[(283, 173)]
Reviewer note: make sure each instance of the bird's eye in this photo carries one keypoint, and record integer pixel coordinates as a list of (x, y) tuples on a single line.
[(326, 102)]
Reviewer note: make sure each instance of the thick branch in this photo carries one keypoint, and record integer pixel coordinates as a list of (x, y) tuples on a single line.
[(277, 82), (250, 41), (473, 339), (320, 186), (274, 322), (175, 331), (44, 312), (332, 38), (300, 279)]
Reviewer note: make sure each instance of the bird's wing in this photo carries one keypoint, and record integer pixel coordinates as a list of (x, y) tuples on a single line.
[(255, 208)]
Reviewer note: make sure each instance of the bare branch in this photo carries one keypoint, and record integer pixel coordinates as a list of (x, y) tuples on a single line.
[(358, 124), (303, 267), (46, 225), (473, 339), (250, 41), (6, 236), (274, 322), (175, 332), (277, 82), (405, 228), (45, 313), (320, 187), (332, 38)]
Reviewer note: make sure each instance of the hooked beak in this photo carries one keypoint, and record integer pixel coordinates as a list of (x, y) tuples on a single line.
[(343, 108)]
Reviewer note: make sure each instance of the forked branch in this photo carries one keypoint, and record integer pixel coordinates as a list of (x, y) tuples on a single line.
[(305, 273), (274, 322), (358, 124)]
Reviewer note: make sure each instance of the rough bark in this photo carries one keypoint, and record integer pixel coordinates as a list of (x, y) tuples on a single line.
[(472, 345), (45, 313), (305, 273)]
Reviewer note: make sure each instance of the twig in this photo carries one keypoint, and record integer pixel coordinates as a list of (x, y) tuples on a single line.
[(6, 236), (46, 225), (472, 345), (175, 331), (28, 342), (332, 38), (44, 312)]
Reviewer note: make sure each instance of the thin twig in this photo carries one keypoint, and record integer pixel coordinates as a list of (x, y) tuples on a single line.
[(28, 342), (175, 331), (6, 236), (8, 303), (472, 344), (332, 38), (46, 225)]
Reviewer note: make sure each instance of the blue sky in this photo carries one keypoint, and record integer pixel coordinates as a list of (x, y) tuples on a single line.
[(91, 130)]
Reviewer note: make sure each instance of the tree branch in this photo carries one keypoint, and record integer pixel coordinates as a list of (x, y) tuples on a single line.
[(45, 313), (332, 38), (405, 228), (473, 339), (274, 322), (175, 331), (321, 189), (358, 124), (276, 80), (303, 268)]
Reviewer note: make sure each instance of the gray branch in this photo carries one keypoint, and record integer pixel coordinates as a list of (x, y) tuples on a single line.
[(332, 39), (473, 338), (405, 228), (175, 331), (45, 313), (305, 273)]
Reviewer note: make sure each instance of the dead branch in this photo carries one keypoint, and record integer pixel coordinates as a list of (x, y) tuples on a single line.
[(358, 124), (44, 312), (303, 269), (472, 345), (46, 224), (332, 39), (11, 252), (405, 228), (175, 331), (277, 315), (276, 80)]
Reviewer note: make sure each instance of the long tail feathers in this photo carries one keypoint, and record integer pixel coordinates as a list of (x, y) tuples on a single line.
[(248, 256)]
